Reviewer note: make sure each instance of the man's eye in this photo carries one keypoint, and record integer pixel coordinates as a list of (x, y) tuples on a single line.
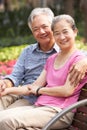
[(45, 27), (35, 30)]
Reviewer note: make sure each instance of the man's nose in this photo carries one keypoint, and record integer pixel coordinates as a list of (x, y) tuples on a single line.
[(42, 30)]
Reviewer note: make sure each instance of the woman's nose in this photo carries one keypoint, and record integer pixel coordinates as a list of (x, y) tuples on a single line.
[(62, 36)]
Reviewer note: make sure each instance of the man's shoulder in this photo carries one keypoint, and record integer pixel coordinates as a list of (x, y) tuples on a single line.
[(31, 47)]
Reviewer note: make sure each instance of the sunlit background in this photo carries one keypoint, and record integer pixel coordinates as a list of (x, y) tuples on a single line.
[(14, 31)]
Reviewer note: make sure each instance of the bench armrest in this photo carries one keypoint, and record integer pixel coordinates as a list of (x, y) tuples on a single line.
[(63, 112)]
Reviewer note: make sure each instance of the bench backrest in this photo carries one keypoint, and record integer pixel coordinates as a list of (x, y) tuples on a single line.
[(80, 118)]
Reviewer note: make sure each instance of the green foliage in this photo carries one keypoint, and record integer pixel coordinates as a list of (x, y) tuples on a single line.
[(9, 53), (80, 45), (16, 41), (14, 23), (11, 48)]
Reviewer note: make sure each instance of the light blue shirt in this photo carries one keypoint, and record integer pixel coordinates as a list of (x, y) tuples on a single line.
[(29, 66)]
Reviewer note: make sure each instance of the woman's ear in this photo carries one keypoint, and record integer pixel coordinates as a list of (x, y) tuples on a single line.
[(76, 31)]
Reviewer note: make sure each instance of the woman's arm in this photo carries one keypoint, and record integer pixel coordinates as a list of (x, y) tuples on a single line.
[(27, 89), (60, 91), (40, 82)]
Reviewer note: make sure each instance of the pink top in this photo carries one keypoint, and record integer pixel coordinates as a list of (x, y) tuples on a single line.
[(57, 77)]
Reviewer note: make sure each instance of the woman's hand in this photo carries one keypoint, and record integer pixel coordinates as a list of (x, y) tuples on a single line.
[(33, 89)]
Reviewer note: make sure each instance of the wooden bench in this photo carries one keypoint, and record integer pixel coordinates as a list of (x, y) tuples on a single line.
[(80, 118)]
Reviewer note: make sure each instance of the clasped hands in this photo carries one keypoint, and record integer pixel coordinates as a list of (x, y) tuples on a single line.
[(23, 90), (76, 72), (33, 89)]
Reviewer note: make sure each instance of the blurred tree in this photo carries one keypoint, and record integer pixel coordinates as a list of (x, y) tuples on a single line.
[(43, 3), (1, 5), (69, 7), (15, 11), (83, 6), (8, 5)]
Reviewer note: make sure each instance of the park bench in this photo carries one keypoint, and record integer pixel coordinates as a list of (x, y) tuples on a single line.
[(80, 117)]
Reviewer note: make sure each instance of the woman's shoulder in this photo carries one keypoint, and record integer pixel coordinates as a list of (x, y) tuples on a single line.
[(79, 53), (76, 56)]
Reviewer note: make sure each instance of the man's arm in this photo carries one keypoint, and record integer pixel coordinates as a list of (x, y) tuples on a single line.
[(78, 70)]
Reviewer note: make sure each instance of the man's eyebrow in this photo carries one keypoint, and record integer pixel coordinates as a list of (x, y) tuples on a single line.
[(35, 27)]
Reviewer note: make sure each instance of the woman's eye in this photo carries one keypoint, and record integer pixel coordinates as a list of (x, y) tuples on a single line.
[(56, 34), (65, 32)]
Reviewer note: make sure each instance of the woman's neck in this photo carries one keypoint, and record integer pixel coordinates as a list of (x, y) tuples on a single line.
[(63, 57), (68, 51)]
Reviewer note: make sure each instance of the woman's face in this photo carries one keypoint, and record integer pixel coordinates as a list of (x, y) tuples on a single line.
[(64, 34)]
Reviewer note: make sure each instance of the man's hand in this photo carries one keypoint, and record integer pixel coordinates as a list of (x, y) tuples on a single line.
[(4, 92), (3, 85), (78, 70)]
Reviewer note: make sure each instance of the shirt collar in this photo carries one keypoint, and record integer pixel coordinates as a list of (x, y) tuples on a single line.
[(55, 47)]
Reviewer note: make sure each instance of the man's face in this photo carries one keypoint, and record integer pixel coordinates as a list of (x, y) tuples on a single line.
[(41, 29)]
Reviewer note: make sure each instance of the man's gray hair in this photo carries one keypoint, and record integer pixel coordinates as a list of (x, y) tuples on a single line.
[(37, 11)]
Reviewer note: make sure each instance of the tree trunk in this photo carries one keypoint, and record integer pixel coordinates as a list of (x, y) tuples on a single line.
[(69, 7), (83, 7), (8, 5)]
